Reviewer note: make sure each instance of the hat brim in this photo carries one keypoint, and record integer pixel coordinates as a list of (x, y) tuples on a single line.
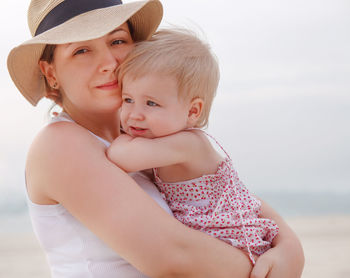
[(22, 62)]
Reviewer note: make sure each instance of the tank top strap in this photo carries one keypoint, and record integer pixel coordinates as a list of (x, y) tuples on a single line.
[(213, 138)]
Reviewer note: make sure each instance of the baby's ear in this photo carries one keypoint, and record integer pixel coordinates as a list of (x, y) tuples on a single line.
[(195, 111)]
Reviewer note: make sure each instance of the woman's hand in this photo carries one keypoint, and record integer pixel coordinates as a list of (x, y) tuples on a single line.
[(283, 260)]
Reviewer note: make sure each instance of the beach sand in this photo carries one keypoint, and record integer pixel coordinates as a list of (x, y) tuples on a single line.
[(326, 243), (325, 239)]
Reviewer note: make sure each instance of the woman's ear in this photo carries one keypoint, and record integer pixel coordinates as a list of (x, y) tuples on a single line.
[(52, 87), (48, 71), (195, 111)]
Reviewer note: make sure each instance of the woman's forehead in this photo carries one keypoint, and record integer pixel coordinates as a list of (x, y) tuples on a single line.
[(122, 29)]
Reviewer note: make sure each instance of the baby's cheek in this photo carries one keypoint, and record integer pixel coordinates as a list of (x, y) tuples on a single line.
[(123, 116)]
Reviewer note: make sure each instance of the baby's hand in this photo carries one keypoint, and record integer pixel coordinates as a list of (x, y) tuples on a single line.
[(123, 138), (117, 150)]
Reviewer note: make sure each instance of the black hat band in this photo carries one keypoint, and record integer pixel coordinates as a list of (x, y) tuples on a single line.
[(69, 9)]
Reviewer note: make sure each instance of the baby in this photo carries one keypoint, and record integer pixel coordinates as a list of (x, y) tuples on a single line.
[(168, 84)]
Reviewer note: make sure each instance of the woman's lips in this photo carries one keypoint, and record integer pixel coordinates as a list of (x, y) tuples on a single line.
[(109, 86)]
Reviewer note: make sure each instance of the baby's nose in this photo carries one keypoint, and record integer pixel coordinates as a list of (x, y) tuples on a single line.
[(136, 114)]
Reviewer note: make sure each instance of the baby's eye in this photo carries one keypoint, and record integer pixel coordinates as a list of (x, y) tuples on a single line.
[(128, 100), (80, 51), (118, 42), (151, 103)]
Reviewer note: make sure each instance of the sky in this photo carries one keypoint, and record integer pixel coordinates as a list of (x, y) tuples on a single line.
[(283, 104)]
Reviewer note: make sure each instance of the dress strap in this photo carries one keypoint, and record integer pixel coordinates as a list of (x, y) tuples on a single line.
[(155, 174), (213, 138)]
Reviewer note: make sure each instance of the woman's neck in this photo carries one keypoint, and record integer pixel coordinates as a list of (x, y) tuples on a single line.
[(106, 126)]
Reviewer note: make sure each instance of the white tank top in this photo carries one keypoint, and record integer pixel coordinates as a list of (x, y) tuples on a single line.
[(72, 250)]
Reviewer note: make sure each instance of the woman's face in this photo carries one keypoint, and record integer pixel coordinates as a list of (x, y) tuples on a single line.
[(85, 72)]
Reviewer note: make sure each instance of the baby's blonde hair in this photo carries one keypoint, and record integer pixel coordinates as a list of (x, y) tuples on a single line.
[(181, 54)]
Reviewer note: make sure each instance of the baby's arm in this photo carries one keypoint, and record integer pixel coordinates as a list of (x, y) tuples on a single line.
[(138, 153)]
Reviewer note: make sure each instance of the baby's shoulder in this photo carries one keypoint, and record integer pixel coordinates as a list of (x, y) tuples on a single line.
[(195, 133), (198, 141), (200, 135)]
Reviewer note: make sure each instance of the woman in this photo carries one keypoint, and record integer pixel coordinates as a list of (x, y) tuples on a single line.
[(75, 194)]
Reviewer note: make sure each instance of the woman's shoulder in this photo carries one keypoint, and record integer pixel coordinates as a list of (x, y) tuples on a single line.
[(58, 143), (61, 137), (56, 150)]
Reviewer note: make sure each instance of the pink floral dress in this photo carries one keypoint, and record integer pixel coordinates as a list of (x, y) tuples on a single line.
[(220, 205)]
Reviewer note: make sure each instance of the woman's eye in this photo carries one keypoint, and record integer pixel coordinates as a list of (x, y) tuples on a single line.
[(80, 51), (128, 100), (151, 103), (117, 42)]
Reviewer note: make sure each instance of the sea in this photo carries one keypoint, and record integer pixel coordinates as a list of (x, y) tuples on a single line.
[(14, 215)]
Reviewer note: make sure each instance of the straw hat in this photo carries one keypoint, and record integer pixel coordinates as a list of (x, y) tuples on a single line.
[(65, 21)]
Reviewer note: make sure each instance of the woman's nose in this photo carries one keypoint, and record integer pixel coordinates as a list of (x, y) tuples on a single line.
[(108, 63)]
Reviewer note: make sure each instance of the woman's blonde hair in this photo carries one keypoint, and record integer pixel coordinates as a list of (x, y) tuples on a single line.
[(181, 54)]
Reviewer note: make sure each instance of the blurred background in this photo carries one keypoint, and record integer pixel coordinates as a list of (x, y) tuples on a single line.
[(282, 108)]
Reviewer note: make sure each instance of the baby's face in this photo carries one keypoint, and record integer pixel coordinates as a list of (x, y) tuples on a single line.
[(151, 106)]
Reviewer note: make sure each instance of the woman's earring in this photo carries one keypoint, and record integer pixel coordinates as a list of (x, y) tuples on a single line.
[(54, 86)]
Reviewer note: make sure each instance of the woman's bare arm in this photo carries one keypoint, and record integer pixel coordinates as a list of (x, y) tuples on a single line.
[(286, 258), (67, 165)]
